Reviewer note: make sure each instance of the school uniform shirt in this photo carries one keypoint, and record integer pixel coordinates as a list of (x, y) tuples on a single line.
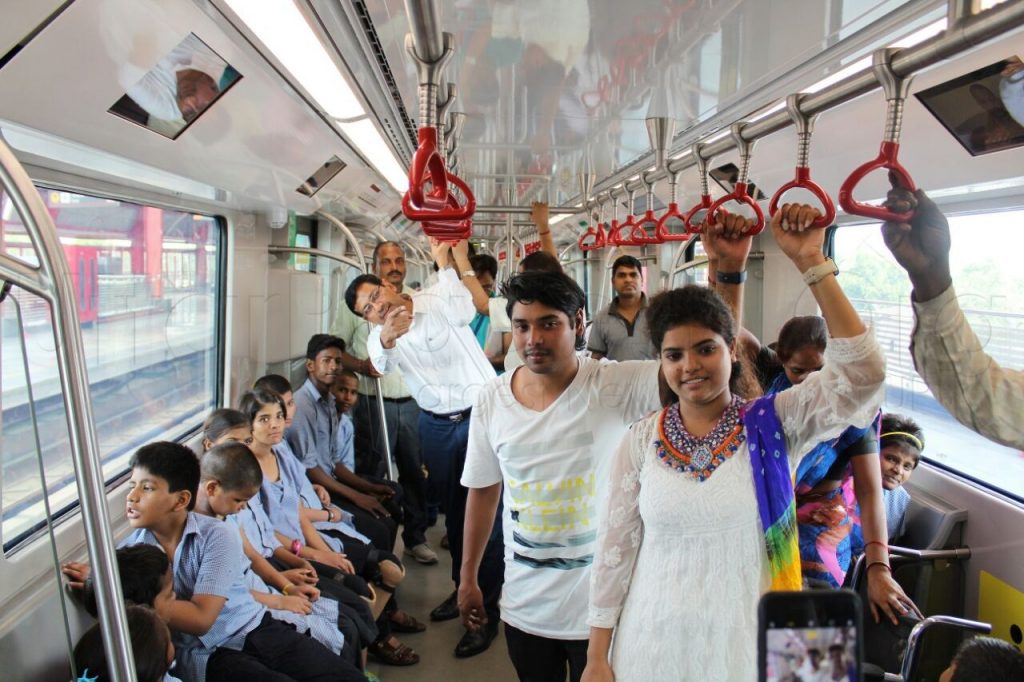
[(443, 364), (554, 466), (322, 623), (312, 435), (896, 503), (308, 497), (209, 560)]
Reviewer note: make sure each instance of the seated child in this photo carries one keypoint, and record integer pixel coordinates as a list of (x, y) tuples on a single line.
[(145, 576), (901, 445), (151, 644), (984, 659), (220, 631), (276, 564), (229, 477)]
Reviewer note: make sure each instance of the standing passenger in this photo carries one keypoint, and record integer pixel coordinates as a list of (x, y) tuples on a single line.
[(400, 410), (427, 336), (701, 508), (983, 396), (620, 330), (545, 431)]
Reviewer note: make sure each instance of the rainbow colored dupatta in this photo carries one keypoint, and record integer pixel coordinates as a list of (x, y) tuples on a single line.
[(773, 486)]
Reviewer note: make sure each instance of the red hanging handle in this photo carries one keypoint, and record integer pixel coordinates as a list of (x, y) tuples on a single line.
[(439, 203), (663, 232), (886, 159), (739, 194), (705, 203), (803, 181), (645, 231), (593, 239)]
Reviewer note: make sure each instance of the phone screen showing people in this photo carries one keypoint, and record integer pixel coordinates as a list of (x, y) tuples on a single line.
[(809, 636), (811, 654)]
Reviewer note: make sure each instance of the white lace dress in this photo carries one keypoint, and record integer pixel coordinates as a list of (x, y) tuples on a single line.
[(681, 564)]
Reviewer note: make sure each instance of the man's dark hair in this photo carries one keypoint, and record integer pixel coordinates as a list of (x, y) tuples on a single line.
[(172, 462), (540, 261), (275, 383), (353, 287), (553, 289), (348, 373), (381, 245), (320, 342), (252, 401), (627, 262), (987, 658), (142, 569), (221, 421), (233, 466), (149, 641), (484, 262)]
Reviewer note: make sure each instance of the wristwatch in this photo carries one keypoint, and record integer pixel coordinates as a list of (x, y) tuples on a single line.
[(815, 274), (731, 277)]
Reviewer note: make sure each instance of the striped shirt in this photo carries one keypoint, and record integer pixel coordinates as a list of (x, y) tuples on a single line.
[(209, 561)]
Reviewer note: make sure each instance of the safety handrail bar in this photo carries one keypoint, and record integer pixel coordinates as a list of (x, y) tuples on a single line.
[(349, 238), (909, 665), (955, 554), (896, 89), (594, 238), (965, 34), (51, 280), (740, 192), (802, 180), (360, 263)]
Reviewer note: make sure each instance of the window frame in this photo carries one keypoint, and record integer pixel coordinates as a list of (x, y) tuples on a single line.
[(831, 250), (26, 538)]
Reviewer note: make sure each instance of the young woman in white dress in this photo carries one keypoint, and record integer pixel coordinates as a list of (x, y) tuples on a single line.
[(682, 553)]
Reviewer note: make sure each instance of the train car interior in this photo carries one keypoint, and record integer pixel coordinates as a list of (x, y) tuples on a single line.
[(164, 243)]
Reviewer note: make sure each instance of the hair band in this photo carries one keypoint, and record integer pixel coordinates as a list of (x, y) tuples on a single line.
[(914, 439)]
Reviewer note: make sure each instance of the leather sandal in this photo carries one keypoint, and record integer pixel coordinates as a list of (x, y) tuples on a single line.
[(405, 623), (393, 654)]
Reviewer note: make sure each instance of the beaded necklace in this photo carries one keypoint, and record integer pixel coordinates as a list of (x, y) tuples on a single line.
[(699, 457)]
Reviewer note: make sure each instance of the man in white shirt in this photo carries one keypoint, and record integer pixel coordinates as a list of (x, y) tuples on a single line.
[(546, 431), (400, 410), (427, 336)]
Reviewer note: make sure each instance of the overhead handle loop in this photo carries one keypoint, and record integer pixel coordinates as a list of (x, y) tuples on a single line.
[(701, 164), (802, 180), (740, 193), (613, 238), (672, 213), (895, 89), (594, 238), (645, 229)]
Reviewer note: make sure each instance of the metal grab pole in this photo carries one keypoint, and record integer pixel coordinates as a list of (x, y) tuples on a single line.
[(380, 397), (52, 282)]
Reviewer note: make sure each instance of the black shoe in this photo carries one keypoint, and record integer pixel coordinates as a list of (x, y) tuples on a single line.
[(473, 643), (448, 610)]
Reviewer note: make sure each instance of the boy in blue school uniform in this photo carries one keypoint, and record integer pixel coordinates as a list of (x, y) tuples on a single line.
[(221, 632)]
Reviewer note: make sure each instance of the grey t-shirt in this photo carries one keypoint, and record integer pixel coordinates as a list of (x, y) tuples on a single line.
[(619, 340)]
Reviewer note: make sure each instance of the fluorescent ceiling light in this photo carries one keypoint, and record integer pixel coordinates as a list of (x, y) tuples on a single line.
[(364, 135), (281, 27)]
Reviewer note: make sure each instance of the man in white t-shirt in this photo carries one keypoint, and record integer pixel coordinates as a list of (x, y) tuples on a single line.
[(545, 432)]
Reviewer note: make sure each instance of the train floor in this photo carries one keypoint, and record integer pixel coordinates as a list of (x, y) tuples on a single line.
[(424, 588)]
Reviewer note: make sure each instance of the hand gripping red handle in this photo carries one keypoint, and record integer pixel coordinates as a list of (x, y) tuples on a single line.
[(887, 159), (663, 233), (439, 203), (592, 239), (803, 181), (739, 195)]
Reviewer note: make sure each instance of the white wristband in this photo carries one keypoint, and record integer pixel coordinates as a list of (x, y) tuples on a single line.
[(815, 274)]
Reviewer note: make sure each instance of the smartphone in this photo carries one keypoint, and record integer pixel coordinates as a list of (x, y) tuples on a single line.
[(810, 635)]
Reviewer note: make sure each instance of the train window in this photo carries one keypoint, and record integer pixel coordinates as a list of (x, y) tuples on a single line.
[(990, 286), (148, 290)]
